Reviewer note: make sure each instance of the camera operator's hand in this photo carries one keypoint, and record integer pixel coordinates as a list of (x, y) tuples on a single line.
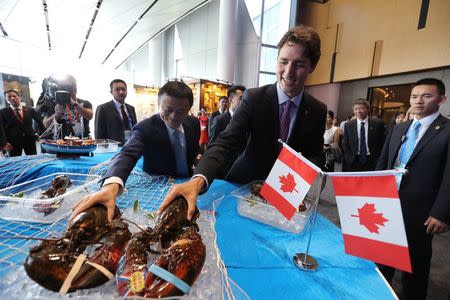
[(74, 102), (59, 111)]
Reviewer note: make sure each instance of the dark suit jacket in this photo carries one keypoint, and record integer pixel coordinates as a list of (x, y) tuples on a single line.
[(220, 123), (3, 140), (150, 139), (213, 116), (425, 188), (258, 118), (375, 137), (109, 124), (15, 129)]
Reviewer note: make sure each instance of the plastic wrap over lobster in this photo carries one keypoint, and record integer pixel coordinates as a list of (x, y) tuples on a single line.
[(85, 257), (165, 260)]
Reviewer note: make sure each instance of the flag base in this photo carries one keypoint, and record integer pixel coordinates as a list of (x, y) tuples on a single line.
[(305, 262)]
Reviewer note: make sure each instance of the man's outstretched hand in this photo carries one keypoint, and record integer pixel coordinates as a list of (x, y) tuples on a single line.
[(189, 190), (106, 196)]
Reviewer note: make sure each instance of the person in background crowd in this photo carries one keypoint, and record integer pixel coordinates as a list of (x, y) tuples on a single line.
[(223, 107), (422, 146), (397, 118), (203, 119), (409, 115), (363, 139), (235, 94), (74, 116), (168, 141), (115, 119), (331, 142), (18, 125), (278, 111)]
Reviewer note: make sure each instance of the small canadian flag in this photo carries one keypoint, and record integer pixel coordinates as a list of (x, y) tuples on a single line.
[(289, 181), (371, 217)]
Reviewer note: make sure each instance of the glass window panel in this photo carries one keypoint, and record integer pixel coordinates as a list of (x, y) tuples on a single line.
[(254, 10), (266, 79), (276, 20), (268, 59)]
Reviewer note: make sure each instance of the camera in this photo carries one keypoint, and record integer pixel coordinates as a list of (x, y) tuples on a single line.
[(54, 91), (62, 98)]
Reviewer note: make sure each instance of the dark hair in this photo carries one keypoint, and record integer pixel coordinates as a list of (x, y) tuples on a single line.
[(394, 117), (116, 81), (223, 97), (176, 89), (306, 37), (232, 90), (432, 81), (11, 91), (361, 101), (66, 83), (331, 114)]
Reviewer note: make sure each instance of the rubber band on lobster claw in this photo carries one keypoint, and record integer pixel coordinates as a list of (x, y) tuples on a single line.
[(169, 277)]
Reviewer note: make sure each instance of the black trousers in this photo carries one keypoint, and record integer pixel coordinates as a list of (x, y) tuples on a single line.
[(369, 165), (26, 143), (415, 284)]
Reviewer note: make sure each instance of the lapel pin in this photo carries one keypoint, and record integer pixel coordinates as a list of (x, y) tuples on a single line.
[(437, 127)]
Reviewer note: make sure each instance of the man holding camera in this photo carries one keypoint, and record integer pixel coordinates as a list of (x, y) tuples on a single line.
[(72, 113)]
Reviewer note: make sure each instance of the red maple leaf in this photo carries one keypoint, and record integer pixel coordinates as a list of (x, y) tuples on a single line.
[(288, 183), (368, 218)]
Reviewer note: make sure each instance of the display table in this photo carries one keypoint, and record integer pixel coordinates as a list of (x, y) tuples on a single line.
[(259, 257)]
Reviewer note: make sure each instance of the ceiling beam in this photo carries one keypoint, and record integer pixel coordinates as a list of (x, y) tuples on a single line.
[(128, 31), (99, 3)]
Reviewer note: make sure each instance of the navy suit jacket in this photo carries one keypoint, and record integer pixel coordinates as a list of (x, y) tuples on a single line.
[(14, 128), (220, 123), (375, 137), (109, 124), (254, 131), (425, 188), (150, 139)]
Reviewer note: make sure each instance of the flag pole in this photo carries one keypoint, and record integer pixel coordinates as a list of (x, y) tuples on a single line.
[(303, 260)]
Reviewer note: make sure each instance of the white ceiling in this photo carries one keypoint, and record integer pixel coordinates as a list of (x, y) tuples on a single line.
[(114, 36)]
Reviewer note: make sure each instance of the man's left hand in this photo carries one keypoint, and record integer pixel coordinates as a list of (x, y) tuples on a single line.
[(434, 226)]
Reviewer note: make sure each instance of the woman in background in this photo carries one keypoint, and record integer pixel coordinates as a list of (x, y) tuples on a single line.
[(331, 142), (203, 119), (409, 115)]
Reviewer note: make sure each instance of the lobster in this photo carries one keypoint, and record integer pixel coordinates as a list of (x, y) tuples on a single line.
[(179, 250), (50, 262), (58, 187)]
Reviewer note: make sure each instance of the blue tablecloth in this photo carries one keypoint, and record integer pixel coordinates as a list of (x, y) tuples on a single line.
[(259, 257)]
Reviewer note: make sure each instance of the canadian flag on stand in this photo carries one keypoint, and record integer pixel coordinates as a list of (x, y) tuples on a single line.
[(371, 218), (289, 181)]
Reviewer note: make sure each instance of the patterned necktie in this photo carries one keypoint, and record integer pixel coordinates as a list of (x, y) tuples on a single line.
[(19, 116), (126, 124), (409, 145), (285, 121), (362, 145), (180, 155)]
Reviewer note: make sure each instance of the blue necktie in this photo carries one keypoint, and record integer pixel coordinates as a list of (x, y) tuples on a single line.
[(180, 155), (362, 145), (409, 145)]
